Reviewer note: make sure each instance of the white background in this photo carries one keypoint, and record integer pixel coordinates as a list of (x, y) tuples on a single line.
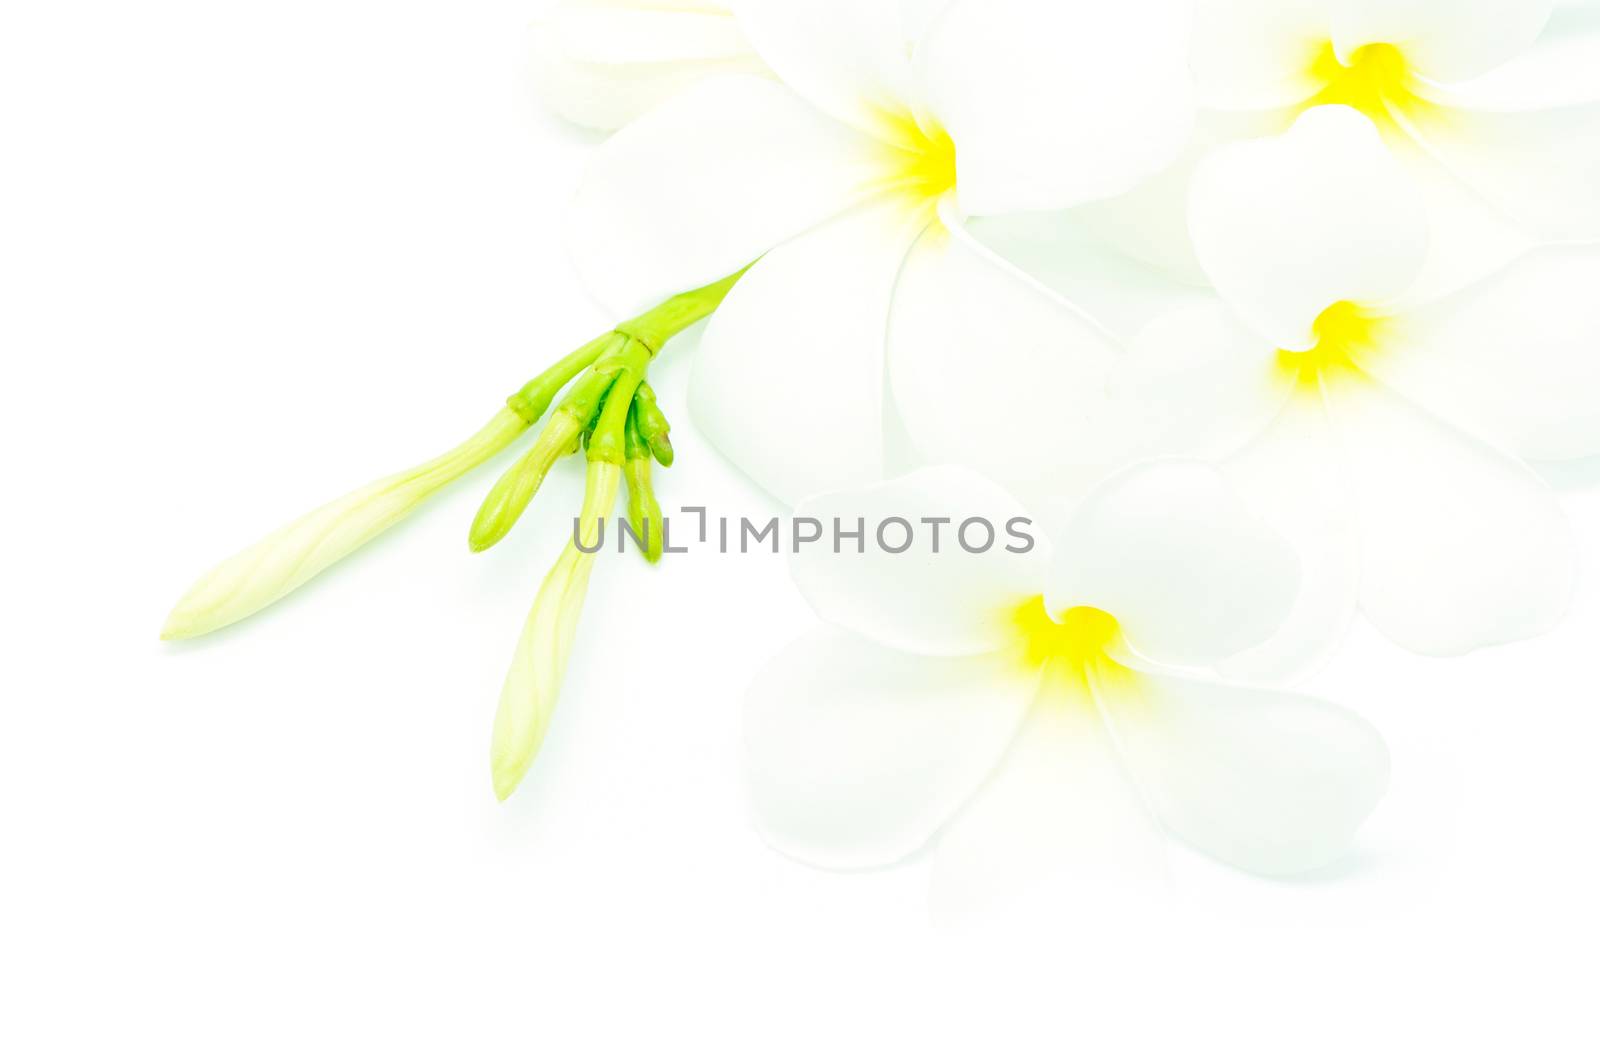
[(254, 254)]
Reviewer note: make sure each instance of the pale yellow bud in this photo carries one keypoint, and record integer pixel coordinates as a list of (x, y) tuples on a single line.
[(287, 559), (528, 699)]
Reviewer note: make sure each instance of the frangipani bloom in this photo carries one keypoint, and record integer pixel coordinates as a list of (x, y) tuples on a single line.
[(1425, 72), (602, 63), (865, 740), (851, 179), (1385, 433)]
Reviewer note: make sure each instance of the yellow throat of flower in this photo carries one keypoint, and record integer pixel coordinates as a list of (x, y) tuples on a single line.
[(1076, 647), (1376, 81), (921, 162), (1343, 331)]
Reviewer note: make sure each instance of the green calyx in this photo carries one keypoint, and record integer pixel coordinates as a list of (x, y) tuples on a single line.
[(608, 409)]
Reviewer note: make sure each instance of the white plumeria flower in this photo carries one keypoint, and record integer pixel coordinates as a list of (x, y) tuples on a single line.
[(602, 63), (1384, 432), (865, 740), (1493, 105), (1424, 71), (849, 181)]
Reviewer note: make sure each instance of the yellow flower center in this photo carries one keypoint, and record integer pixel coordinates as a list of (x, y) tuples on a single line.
[(1076, 647), (921, 163), (1343, 330), (1376, 81)]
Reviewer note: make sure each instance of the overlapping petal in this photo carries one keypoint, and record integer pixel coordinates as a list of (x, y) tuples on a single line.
[(931, 585), (1539, 167), (974, 344), (1462, 546), (1257, 54), (1515, 358), (1270, 782), (1058, 813), (1285, 227), (1197, 381), (857, 754), (1559, 69), (850, 58), (1294, 475), (1051, 104), (708, 182), (1443, 40), (602, 64), (788, 383), (1171, 551)]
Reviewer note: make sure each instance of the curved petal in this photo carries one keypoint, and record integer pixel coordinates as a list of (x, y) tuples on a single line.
[(971, 335), (1069, 256), (953, 591), (1462, 546), (1197, 382), (1257, 54), (856, 755), (1540, 167), (601, 65), (706, 183), (1295, 476), (1170, 550), (1151, 223), (1559, 69), (1445, 40), (1516, 357), (1285, 227), (1468, 237), (1050, 106), (1269, 782), (1058, 813), (788, 382), (849, 58)]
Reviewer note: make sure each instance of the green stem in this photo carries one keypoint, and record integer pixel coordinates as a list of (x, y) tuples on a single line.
[(533, 400), (656, 326)]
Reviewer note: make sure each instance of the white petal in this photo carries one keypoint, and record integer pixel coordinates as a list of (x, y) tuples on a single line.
[(601, 64), (1540, 167), (954, 591), (632, 32), (1516, 357), (1197, 382), (1151, 223), (1062, 251), (1295, 476), (918, 15), (788, 383), (1269, 782), (1168, 549), (1445, 40), (288, 558), (1562, 67), (706, 183), (1257, 54), (1462, 546), (850, 58), (1285, 227), (1055, 104), (1058, 813), (989, 369), (857, 755), (1468, 238)]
